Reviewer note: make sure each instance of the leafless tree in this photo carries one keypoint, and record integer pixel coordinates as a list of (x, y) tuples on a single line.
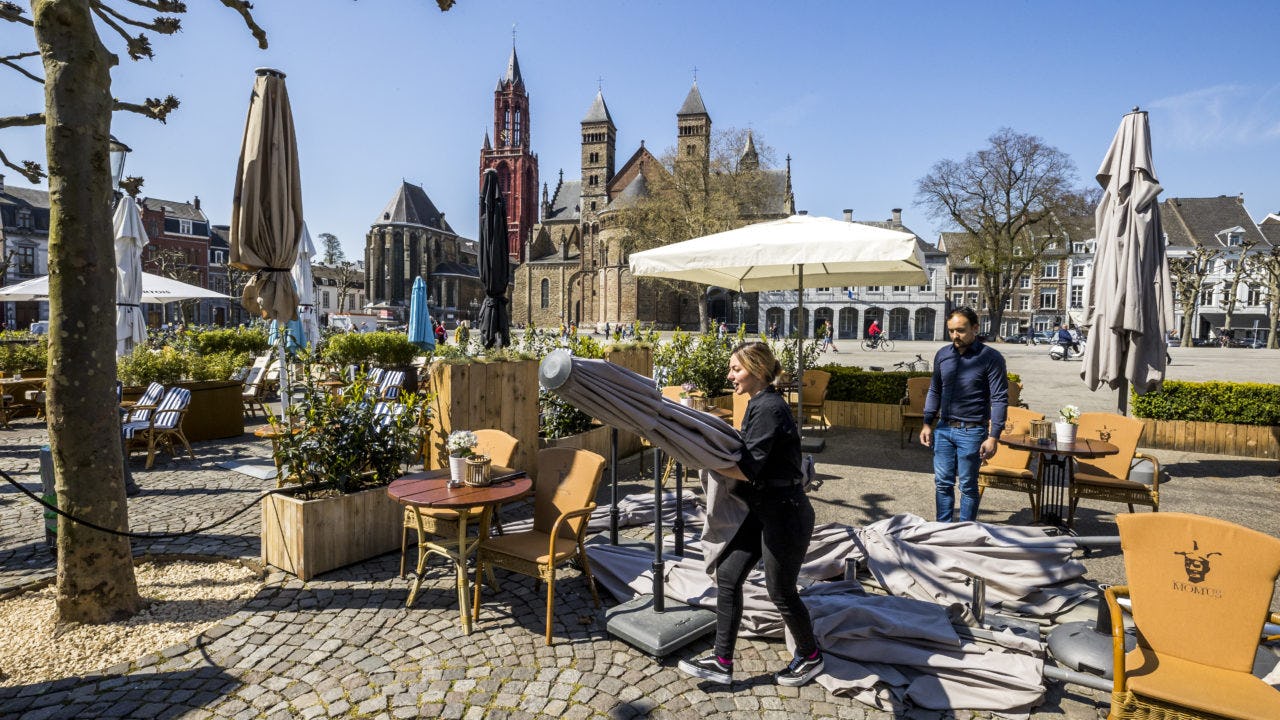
[(1264, 268), (1189, 273), (1231, 289), (68, 57), (1003, 198)]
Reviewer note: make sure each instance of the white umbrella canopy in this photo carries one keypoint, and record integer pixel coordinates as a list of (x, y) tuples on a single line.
[(156, 290), (131, 237), (784, 254), (1130, 294), (306, 289), (768, 256)]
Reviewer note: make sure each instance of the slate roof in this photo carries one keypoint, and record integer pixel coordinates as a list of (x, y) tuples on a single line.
[(925, 247), (175, 209), (1270, 228), (1191, 221), (220, 236), (513, 69), (632, 193), (411, 206), (599, 111), (775, 200), (566, 205), (29, 197), (692, 103)]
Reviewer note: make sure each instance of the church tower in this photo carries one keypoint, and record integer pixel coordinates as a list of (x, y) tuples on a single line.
[(693, 130), (598, 154), (509, 154)]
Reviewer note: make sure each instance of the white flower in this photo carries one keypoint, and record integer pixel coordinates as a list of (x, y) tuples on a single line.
[(461, 442), (1070, 413)]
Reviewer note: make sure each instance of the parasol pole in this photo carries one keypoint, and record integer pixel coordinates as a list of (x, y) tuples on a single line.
[(800, 354)]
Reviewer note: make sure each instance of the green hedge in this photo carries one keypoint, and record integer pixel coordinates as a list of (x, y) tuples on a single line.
[(853, 384), (386, 349), (1223, 402), (23, 351), (240, 340)]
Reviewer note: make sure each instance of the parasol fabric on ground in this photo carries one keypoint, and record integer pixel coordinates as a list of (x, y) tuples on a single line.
[(1130, 295)]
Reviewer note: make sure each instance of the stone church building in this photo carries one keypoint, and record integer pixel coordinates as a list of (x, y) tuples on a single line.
[(574, 268)]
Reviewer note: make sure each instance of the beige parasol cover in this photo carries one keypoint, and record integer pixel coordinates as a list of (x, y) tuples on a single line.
[(266, 212), (1130, 298)]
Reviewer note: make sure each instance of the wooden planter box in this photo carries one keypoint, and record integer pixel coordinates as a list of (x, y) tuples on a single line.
[(476, 395), (1260, 441), (216, 410), (309, 537)]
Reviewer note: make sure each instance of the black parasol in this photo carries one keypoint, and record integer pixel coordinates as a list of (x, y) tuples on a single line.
[(495, 267)]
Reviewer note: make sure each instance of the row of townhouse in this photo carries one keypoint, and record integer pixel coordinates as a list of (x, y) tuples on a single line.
[(1056, 292), (182, 244)]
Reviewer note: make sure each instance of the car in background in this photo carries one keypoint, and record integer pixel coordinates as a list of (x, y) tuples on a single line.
[(1043, 337), (40, 327), (1251, 343), (1015, 339)]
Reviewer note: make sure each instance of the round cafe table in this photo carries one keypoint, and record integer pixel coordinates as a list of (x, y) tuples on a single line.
[(1056, 469), (430, 490)]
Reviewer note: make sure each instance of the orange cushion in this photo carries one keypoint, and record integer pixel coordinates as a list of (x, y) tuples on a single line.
[(530, 546), (1021, 473), (1202, 687), (1108, 481)]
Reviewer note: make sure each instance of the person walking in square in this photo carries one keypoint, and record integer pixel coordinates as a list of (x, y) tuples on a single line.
[(777, 527), (964, 414), (828, 337)]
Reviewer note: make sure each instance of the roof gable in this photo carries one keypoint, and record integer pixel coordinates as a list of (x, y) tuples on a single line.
[(1207, 221), (566, 205), (641, 158), (411, 206)]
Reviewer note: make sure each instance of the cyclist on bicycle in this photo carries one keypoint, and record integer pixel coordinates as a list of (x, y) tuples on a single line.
[(873, 332)]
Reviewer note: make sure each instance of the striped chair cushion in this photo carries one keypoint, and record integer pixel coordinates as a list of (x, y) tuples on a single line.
[(391, 382), (384, 412), (169, 412), (151, 397)]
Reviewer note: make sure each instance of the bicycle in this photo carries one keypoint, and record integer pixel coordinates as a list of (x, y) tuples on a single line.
[(917, 365), (881, 342)]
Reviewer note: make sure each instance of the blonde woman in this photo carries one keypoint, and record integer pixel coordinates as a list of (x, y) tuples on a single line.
[(777, 526)]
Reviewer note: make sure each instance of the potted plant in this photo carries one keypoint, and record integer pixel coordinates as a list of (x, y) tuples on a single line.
[(216, 410), (342, 450), (1065, 428), (461, 445)]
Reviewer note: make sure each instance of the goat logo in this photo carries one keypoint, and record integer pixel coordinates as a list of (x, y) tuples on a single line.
[(1196, 563)]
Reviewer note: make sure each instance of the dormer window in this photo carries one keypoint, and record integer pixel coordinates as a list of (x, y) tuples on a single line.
[(1234, 239), (25, 218)]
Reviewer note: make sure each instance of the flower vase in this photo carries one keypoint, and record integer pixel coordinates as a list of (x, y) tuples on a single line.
[(1064, 432), (457, 471)]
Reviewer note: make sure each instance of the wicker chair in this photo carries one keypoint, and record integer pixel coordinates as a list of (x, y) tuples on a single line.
[(563, 501), (913, 407), (813, 397), (1107, 478), (1009, 468), (162, 426), (1200, 590), (501, 449)]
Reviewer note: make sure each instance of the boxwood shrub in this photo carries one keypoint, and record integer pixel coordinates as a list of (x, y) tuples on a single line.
[(854, 384), (1223, 402)]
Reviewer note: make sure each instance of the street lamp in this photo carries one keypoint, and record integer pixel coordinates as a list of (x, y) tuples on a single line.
[(118, 152), (740, 304)]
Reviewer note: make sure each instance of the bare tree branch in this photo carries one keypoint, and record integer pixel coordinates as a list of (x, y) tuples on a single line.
[(162, 25), (31, 120), (152, 108), (13, 13), (138, 47), (246, 11), (29, 170), (21, 70), (164, 6)]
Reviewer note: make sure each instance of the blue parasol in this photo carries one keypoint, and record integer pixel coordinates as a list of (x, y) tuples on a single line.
[(420, 326)]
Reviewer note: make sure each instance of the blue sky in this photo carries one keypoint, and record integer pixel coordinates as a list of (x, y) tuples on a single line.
[(865, 96)]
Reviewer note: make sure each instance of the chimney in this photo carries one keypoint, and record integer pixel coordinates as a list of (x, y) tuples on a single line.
[(1240, 198), (897, 216), (1, 182), (848, 214), (196, 202)]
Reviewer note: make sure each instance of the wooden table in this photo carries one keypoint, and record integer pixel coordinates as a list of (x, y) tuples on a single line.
[(430, 490), (1056, 470)]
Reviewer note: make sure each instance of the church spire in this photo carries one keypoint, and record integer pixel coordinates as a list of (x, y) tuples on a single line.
[(749, 159), (513, 67)]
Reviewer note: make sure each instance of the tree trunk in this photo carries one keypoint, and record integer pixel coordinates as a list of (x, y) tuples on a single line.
[(95, 569)]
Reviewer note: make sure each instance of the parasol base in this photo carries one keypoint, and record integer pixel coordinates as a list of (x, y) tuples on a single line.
[(812, 444), (1080, 646), (658, 634)]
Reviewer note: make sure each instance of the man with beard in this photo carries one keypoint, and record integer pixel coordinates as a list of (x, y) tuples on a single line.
[(964, 413)]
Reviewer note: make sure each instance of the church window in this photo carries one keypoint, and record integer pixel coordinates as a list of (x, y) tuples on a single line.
[(690, 150), (593, 204), (546, 293), (516, 133)]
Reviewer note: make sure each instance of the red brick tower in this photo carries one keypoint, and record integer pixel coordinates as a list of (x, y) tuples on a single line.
[(509, 154)]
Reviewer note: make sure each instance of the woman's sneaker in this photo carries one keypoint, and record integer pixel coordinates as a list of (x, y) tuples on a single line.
[(799, 671), (708, 667)]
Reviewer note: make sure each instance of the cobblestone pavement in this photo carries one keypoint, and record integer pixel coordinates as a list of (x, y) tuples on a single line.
[(345, 645)]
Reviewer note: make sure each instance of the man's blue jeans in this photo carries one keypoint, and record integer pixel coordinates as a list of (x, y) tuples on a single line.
[(955, 456)]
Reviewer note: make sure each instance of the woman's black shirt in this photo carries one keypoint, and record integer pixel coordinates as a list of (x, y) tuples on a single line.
[(771, 452)]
